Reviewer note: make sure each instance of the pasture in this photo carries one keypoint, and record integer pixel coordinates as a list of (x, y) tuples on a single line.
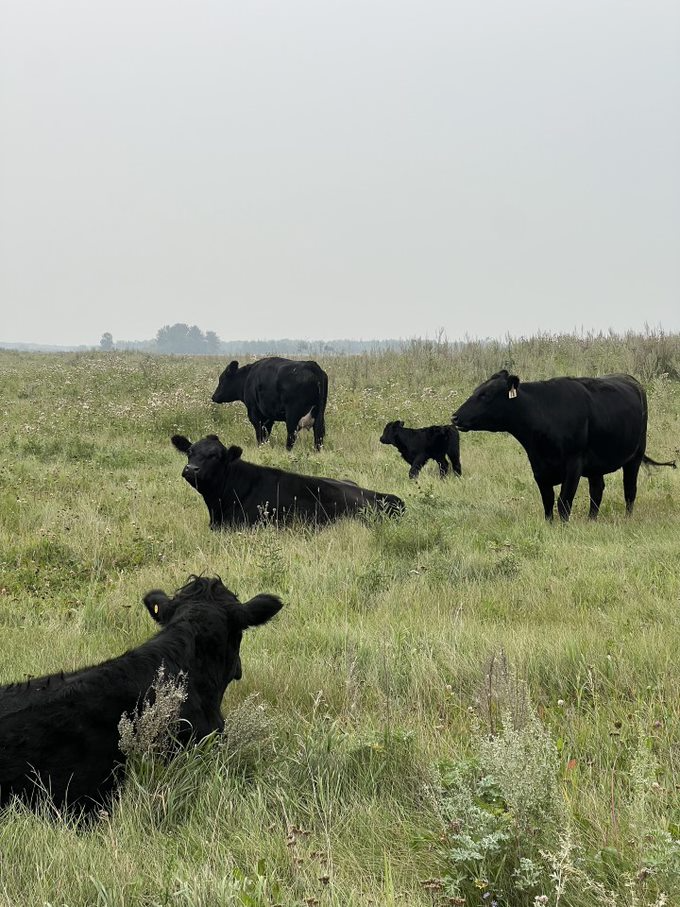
[(466, 706)]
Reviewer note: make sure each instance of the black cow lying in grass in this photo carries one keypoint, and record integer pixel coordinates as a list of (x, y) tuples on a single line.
[(418, 445), (60, 733), (240, 493)]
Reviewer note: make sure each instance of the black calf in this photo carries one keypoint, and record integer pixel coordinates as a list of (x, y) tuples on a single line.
[(418, 445)]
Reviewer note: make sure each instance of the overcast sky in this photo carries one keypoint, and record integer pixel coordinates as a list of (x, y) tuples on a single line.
[(338, 168)]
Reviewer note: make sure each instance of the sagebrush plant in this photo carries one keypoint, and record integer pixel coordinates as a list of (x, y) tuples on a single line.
[(152, 728), (570, 881), (523, 762), (506, 830), (366, 679), (502, 808), (271, 560), (250, 734)]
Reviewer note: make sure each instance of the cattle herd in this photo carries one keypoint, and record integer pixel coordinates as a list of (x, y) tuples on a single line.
[(59, 734)]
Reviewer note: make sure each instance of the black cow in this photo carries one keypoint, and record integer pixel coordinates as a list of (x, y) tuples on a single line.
[(60, 733), (278, 390), (569, 427), (240, 493), (418, 445)]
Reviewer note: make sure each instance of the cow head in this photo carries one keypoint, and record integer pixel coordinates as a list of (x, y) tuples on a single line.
[(230, 385), (491, 405), (390, 431), (205, 610), (207, 460)]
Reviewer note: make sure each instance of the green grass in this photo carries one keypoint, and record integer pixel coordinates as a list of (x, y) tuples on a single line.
[(355, 743)]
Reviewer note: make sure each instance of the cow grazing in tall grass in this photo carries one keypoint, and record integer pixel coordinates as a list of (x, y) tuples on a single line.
[(569, 427), (60, 733), (418, 445), (237, 492)]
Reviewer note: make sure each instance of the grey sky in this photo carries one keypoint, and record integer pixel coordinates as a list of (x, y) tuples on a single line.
[(354, 168)]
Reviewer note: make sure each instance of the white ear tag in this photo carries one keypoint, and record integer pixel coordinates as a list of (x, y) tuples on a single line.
[(512, 393)]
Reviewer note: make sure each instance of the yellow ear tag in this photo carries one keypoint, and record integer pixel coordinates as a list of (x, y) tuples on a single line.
[(155, 609), (512, 393)]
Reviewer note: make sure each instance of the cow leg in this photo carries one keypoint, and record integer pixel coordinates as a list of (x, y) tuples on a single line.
[(443, 468), (266, 430), (292, 423), (319, 429), (568, 490), (547, 496), (456, 465), (257, 423), (630, 475), (416, 466), (596, 486)]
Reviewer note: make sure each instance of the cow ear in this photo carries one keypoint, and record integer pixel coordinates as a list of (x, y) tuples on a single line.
[(259, 610), (513, 384), (159, 606), (233, 453), (232, 367), (181, 443)]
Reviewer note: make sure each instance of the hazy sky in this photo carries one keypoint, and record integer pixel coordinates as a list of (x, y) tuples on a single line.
[(338, 168)]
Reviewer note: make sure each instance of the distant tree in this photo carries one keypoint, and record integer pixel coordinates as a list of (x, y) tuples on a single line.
[(106, 343), (213, 343), (196, 340), (190, 341), (171, 338)]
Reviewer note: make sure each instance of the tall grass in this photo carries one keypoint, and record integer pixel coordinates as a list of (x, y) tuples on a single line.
[(373, 753)]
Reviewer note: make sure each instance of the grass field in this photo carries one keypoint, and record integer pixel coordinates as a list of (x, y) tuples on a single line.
[(467, 706)]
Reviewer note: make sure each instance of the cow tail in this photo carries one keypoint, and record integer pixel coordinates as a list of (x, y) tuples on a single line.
[(649, 462), (319, 415)]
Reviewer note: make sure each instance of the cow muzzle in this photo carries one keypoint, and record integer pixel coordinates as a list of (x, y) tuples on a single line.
[(190, 473)]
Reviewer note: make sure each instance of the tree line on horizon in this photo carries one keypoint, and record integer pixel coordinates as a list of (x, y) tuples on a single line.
[(179, 338), (189, 340)]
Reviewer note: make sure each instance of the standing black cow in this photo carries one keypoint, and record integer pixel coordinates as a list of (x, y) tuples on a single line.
[(278, 390), (569, 427), (240, 493), (418, 445), (60, 733)]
